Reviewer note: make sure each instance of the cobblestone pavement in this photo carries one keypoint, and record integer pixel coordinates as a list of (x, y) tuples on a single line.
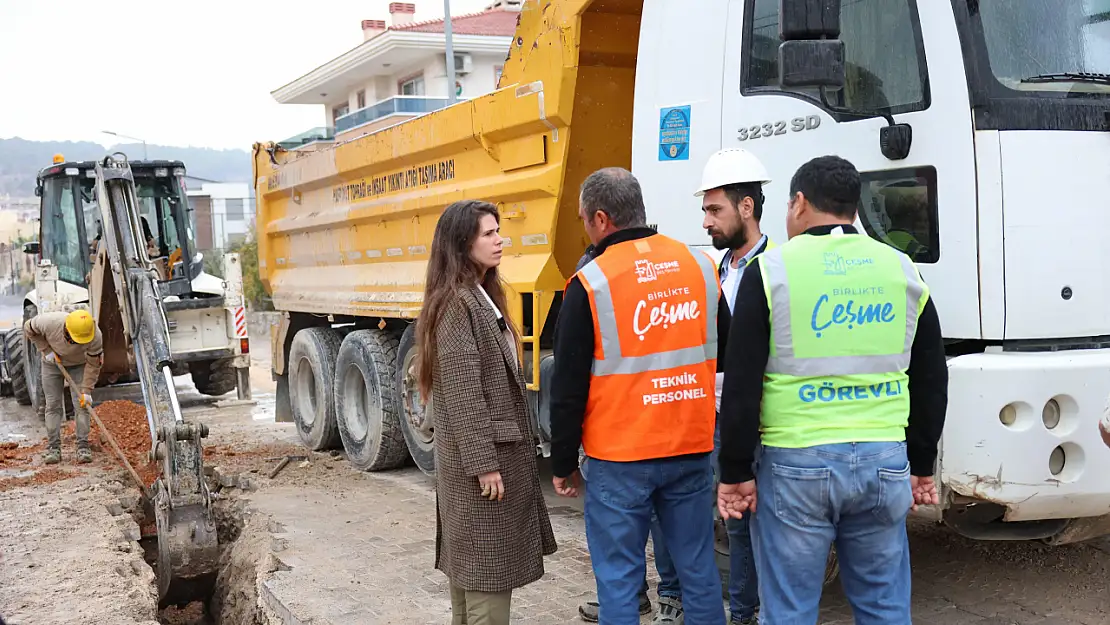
[(360, 549)]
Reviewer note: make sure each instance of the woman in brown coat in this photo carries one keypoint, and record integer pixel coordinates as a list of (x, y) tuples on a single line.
[(492, 526)]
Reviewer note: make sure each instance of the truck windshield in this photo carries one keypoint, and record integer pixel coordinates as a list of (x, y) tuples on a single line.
[(1048, 45)]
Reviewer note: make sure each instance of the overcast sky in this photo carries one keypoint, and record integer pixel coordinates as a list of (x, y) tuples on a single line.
[(195, 73)]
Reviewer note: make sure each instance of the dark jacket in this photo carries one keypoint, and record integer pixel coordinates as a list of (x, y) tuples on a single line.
[(747, 356), (574, 356), (482, 424)]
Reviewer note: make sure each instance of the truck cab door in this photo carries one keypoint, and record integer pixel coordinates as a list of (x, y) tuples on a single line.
[(903, 58)]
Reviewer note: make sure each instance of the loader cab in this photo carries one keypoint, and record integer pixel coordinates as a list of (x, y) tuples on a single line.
[(71, 225)]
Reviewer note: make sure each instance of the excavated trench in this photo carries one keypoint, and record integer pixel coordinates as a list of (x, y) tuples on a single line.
[(231, 598)]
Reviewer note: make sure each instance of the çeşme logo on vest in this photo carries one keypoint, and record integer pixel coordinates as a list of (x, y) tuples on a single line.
[(662, 312), (647, 271), (837, 265), (828, 391), (850, 314)]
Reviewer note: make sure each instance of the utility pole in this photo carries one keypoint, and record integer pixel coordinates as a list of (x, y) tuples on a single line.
[(116, 134), (451, 97)]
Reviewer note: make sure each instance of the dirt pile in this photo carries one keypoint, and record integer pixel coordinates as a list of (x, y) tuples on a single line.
[(38, 478)]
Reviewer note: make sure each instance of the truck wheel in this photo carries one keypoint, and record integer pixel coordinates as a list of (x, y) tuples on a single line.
[(417, 420), (17, 368), (214, 377), (311, 376), (365, 402)]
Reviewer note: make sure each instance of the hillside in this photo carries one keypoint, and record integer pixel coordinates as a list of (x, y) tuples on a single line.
[(21, 159)]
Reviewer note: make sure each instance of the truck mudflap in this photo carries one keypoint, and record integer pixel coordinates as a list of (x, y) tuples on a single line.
[(1022, 436)]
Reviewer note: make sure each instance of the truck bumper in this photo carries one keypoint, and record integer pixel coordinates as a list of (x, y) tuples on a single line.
[(1005, 442)]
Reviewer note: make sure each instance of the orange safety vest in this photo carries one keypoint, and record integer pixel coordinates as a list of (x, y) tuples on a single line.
[(654, 303)]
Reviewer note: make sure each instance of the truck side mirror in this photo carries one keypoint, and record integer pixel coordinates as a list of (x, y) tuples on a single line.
[(38, 190), (811, 53), (31, 247)]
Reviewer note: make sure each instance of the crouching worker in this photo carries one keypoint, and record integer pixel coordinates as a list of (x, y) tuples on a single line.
[(73, 340)]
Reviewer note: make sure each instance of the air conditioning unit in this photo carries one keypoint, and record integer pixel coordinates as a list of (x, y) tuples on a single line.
[(464, 64)]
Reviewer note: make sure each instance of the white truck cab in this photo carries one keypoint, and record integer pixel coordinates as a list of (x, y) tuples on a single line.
[(981, 130)]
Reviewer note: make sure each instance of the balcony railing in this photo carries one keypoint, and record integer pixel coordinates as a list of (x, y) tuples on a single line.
[(322, 133), (402, 104)]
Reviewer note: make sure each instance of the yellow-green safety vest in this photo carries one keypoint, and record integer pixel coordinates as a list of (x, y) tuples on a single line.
[(843, 315)]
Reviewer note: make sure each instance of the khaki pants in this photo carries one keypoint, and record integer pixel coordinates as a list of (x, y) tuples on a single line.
[(53, 387), (479, 608)]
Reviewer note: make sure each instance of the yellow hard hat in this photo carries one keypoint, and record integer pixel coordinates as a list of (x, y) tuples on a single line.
[(80, 326)]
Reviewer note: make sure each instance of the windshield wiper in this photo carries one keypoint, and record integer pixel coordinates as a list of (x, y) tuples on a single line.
[(1102, 79)]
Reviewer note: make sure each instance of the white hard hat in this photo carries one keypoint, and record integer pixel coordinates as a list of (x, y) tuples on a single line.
[(731, 166)]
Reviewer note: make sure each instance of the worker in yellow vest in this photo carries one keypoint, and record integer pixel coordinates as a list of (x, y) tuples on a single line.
[(836, 359), (635, 359)]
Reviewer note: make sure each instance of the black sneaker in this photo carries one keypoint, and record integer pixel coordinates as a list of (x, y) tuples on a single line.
[(751, 620), (589, 611)]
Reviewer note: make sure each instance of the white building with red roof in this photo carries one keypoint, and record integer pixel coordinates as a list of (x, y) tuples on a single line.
[(399, 71)]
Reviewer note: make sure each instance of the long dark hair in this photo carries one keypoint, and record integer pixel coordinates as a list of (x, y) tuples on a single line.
[(451, 270)]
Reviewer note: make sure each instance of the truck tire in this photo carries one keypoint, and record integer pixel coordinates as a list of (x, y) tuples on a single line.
[(17, 368), (417, 420), (311, 378), (214, 377), (366, 402)]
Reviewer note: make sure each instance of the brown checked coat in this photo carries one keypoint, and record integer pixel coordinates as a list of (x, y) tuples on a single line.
[(482, 424)]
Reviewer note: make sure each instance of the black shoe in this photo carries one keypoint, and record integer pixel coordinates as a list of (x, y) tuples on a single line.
[(589, 611)]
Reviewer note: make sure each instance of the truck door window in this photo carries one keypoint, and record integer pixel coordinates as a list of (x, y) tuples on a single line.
[(62, 243), (899, 208), (885, 67)]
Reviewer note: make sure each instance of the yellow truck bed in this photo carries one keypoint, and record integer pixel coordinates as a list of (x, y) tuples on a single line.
[(345, 230)]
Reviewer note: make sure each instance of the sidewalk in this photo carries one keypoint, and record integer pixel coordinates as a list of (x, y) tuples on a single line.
[(366, 555)]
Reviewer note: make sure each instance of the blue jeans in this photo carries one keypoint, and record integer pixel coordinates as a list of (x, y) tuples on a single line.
[(668, 578), (620, 497), (856, 495), (743, 583)]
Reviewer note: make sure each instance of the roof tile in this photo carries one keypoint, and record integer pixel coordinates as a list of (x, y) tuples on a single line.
[(496, 23)]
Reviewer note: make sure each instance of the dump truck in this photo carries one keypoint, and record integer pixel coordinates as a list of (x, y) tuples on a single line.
[(948, 109)]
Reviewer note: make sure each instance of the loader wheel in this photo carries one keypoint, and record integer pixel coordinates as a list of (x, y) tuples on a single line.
[(417, 419), (366, 403), (32, 366), (214, 377), (17, 367), (311, 380)]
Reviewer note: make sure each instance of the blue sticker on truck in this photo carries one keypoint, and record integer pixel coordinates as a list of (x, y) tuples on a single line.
[(674, 133)]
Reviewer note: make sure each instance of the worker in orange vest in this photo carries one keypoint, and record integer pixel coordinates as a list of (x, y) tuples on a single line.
[(636, 348)]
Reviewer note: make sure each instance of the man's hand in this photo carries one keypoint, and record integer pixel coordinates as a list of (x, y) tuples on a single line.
[(85, 400), (49, 357), (568, 486), (924, 492), (492, 486), (733, 500)]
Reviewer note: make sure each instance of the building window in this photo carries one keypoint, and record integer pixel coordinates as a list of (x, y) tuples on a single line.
[(234, 209), (885, 67), (899, 208), (361, 97), (340, 111), (412, 86), (497, 70)]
